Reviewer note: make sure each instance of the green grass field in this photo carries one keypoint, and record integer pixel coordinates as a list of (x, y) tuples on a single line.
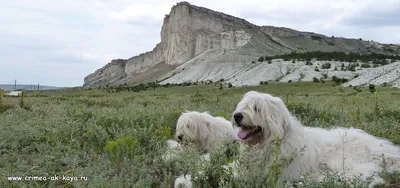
[(117, 139)]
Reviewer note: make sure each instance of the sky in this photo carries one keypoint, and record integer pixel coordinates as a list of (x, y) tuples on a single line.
[(59, 42)]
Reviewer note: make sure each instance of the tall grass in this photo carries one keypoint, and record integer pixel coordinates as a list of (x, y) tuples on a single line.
[(118, 139)]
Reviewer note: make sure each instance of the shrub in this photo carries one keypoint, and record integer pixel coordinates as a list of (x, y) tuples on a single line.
[(358, 89), (269, 61), (352, 67), (316, 69), (365, 66), (4, 107), (371, 88), (229, 85), (331, 43), (308, 62), (326, 65), (21, 99), (290, 81), (261, 59), (316, 80), (293, 61), (316, 38), (335, 79)]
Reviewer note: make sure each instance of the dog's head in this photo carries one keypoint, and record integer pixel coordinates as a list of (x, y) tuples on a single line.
[(260, 118), (193, 127)]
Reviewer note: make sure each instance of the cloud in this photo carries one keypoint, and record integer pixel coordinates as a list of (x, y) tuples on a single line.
[(376, 15), (60, 42), (142, 11)]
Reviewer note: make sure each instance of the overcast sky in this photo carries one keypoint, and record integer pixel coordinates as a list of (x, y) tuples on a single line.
[(59, 42)]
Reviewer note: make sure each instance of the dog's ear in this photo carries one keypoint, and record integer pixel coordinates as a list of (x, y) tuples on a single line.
[(207, 123), (203, 130), (274, 116)]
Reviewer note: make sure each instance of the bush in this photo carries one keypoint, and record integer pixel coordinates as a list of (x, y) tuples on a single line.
[(269, 61), (352, 67), (371, 88), (261, 59), (365, 66), (308, 62), (335, 79), (316, 80), (4, 107), (229, 85), (293, 61), (290, 81), (358, 89), (326, 65), (316, 69), (316, 38)]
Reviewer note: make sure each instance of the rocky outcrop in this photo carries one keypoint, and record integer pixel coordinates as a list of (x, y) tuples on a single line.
[(189, 32), (186, 32)]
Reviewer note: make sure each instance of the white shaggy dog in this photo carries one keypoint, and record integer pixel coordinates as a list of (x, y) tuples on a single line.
[(204, 131), (261, 117)]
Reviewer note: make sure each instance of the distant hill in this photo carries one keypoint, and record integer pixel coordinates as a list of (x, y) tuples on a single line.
[(10, 87), (216, 46)]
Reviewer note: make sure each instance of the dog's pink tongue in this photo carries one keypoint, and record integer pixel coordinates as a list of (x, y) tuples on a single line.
[(243, 134)]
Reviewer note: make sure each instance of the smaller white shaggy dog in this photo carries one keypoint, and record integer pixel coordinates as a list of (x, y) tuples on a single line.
[(261, 117), (203, 130)]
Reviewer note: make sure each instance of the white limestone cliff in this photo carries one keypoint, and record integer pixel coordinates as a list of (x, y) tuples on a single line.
[(218, 44)]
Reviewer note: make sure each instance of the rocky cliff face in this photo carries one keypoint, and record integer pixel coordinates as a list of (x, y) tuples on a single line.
[(186, 32), (189, 32)]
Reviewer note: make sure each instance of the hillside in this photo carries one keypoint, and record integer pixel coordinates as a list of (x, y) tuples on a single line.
[(211, 45)]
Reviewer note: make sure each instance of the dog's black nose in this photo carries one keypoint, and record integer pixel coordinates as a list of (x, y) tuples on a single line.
[(238, 117), (180, 137)]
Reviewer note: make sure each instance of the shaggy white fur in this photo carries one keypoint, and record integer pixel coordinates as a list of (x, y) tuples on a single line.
[(203, 130), (261, 117)]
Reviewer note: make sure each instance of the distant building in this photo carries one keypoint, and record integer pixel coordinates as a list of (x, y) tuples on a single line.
[(14, 93)]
